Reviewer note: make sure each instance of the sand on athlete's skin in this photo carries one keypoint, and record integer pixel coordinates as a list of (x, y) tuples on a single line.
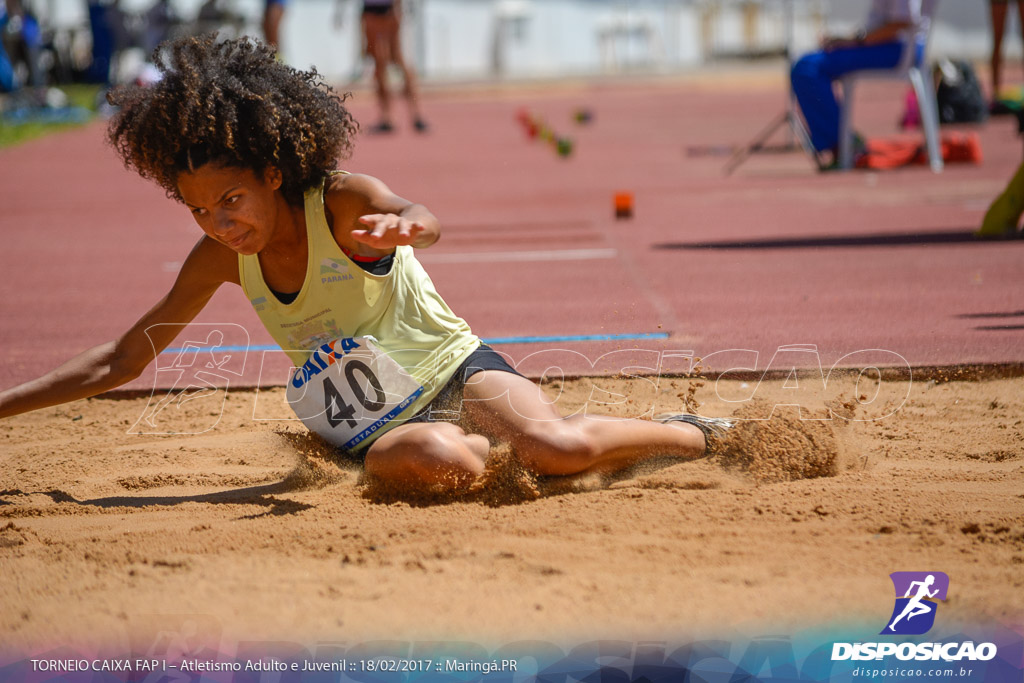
[(251, 530)]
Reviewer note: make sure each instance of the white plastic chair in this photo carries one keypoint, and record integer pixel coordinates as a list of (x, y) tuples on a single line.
[(908, 69)]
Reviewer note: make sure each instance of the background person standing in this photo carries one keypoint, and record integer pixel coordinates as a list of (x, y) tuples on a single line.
[(381, 22)]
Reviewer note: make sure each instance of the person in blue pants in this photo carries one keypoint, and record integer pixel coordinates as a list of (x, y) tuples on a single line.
[(8, 83), (879, 46)]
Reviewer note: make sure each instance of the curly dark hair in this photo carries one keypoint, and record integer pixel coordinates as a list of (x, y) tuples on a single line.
[(231, 103)]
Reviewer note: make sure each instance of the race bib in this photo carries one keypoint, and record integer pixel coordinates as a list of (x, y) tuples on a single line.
[(349, 389)]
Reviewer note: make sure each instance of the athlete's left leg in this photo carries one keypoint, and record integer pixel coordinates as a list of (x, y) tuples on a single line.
[(511, 408)]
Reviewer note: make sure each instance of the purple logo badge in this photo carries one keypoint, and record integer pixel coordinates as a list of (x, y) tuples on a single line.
[(917, 596)]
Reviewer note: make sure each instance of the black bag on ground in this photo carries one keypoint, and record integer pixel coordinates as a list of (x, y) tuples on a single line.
[(959, 93)]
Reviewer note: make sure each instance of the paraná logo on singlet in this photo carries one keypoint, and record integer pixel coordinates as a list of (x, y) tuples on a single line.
[(333, 270)]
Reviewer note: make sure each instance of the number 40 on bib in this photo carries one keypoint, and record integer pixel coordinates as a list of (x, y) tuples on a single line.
[(349, 389)]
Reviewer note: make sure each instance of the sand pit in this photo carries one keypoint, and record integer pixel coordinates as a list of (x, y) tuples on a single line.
[(250, 531)]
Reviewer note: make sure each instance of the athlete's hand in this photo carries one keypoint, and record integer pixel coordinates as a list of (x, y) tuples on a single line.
[(387, 231)]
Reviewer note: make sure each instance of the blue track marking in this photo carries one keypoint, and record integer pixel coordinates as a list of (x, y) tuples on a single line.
[(574, 338), (491, 340)]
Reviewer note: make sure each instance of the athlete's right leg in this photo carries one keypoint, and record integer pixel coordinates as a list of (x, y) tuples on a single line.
[(427, 456), (510, 408)]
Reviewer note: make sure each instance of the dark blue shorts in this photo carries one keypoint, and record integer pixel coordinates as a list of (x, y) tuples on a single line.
[(447, 405)]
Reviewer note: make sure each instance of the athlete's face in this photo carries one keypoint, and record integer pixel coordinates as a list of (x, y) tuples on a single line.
[(232, 205)]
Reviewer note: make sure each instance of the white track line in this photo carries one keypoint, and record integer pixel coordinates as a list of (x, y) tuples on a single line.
[(496, 256)]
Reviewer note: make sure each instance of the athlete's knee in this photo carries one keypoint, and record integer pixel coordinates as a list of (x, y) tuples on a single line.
[(439, 456)]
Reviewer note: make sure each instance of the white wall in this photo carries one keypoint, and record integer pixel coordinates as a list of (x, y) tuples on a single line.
[(517, 39)]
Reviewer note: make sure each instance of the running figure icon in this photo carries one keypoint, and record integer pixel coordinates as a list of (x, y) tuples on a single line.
[(916, 606)]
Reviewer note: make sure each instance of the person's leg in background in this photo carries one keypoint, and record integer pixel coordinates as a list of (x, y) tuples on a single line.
[(102, 43), (1020, 17), (813, 76), (813, 92), (7, 80), (375, 29), (272, 15), (997, 11), (1003, 215), (394, 38)]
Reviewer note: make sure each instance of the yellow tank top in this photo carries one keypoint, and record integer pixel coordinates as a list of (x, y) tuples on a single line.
[(402, 309)]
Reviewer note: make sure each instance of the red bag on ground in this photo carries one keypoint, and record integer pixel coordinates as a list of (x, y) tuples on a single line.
[(956, 148)]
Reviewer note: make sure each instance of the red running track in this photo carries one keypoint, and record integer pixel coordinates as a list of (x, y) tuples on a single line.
[(775, 255)]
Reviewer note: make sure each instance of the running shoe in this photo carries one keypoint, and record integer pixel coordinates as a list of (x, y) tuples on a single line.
[(714, 428)]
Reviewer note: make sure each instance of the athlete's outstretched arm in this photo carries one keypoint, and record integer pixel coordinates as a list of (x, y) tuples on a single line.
[(368, 217), (114, 363)]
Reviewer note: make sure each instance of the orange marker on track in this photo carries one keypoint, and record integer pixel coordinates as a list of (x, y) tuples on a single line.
[(623, 204)]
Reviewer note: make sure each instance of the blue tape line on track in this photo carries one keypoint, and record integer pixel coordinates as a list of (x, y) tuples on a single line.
[(492, 340), (574, 338)]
